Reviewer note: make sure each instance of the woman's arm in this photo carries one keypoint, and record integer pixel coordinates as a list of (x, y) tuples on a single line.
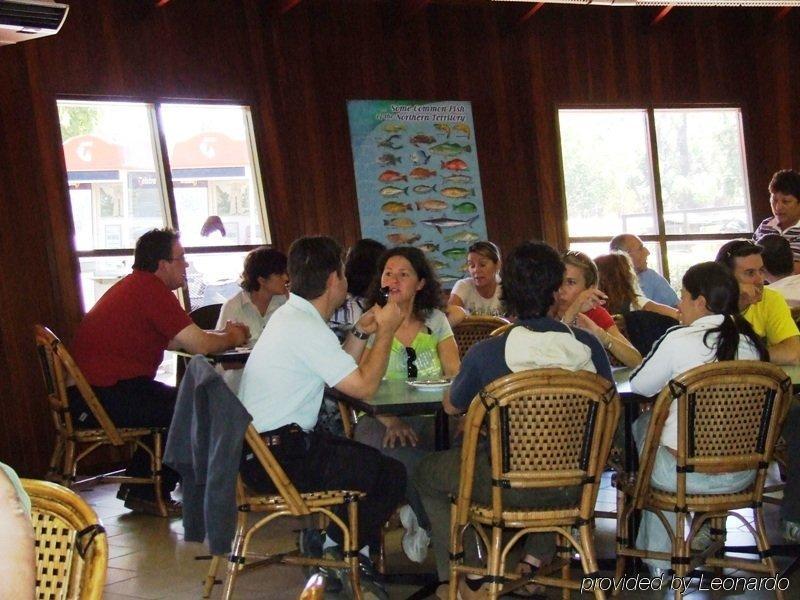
[(586, 300), (613, 341), (448, 356), (18, 564), (661, 309)]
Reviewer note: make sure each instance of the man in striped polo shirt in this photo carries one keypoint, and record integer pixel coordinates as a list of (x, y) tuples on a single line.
[(784, 199)]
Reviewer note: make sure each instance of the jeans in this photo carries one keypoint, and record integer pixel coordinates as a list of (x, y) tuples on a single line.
[(138, 402), (652, 535), (329, 462)]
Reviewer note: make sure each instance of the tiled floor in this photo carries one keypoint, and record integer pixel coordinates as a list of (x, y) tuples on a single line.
[(150, 560)]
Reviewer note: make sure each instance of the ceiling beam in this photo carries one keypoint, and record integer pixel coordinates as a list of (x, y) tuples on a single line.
[(284, 6), (530, 12)]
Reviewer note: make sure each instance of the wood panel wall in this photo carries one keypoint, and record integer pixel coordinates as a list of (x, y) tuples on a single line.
[(297, 70)]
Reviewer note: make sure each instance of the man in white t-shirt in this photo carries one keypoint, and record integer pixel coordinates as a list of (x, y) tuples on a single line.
[(283, 382)]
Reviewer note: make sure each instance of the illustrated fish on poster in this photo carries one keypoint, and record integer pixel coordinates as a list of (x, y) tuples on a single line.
[(394, 127), (444, 128), (391, 190), (465, 208), (437, 264), (401, 222), (449, 149), (389, 159), (462, 236), (422, 173), (403, 238), (428, 247), (455, 253), (418, 157), (448, 278), (455, 164), (446, 223), (389, 142), (462, 129), (432, 204), (424, 189), (457, 192), (390, 175), (456, 178), (421, 138), (396, 207)]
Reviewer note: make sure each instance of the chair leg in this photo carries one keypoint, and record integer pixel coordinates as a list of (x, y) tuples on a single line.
[(564, 551), (351, 549), (495, 564), (456, 549), (236, 558), (54, 468), (381, 562), (157, 477), (68, 473), (622, 543), (211, 577), (679, 551), (763, 547), (589, 559)]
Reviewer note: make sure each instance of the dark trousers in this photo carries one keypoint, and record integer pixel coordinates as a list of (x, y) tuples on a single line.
[(138, 402), (790, 507), (326, 462)]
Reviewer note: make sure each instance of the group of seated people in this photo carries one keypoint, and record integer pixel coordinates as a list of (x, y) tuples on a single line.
[(316, 321)]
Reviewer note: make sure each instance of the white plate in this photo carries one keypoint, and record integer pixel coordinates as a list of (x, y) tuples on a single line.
[(430, 386)]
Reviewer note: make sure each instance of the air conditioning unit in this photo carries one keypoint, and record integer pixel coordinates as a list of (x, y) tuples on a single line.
[(22, 20)]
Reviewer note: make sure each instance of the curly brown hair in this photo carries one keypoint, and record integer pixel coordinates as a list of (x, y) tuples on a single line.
[(428, 298), (617, 280)]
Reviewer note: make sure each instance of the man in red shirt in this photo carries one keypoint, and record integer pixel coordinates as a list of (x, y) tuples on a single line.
[(121, 342)]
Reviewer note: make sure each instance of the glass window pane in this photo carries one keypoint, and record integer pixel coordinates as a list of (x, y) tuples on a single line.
[(216, 194), (702, 170), (608, 178), (99, 274), (682, 255), (213, 278), (114, 188), (595, 249)]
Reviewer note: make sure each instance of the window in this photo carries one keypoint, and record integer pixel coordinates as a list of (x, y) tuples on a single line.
[(674, 177), (120, 188)]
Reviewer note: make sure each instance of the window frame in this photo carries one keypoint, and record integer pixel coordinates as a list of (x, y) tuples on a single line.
[(661, 237), (163, 170)]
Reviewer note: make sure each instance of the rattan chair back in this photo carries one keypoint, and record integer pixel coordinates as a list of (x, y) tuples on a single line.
[(71, 544), (286, 501), (547, 428), (473, 329), (729, 418), (73, 444)]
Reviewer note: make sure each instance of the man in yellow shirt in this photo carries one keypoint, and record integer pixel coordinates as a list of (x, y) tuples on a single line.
[(763, 308)]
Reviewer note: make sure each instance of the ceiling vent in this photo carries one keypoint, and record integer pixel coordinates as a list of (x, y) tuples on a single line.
[(22, 20)]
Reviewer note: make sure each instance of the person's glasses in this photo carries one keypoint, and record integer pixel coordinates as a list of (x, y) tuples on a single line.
[(411, 356)]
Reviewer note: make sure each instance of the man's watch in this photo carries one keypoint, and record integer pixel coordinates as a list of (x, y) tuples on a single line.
[(361, 335)]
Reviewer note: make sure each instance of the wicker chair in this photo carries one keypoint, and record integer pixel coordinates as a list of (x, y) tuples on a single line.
[(71, 544), (287, 502), (473, 329), (729, 418), (548, 428), (73, 445)]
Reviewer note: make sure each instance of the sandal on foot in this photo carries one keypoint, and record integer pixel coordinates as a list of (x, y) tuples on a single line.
[(527, 570)]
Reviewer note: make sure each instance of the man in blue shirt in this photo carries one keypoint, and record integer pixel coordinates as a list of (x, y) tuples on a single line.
[(531, 275), (653, 285)]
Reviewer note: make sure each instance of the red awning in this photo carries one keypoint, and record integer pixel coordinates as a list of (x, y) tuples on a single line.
[(91, 153), (210, 149)]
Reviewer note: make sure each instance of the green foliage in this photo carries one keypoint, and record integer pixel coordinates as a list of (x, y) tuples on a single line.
[(77, 120)]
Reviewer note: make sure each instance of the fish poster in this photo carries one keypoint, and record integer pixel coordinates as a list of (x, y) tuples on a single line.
[(417, 179)]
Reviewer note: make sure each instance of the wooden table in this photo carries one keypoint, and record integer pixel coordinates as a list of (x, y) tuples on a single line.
[(397, 397)]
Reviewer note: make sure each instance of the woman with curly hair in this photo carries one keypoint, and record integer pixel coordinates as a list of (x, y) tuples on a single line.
[(618, 281), (423, 348)]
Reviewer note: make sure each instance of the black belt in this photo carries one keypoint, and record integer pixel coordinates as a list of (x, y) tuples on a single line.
[(276, 437)]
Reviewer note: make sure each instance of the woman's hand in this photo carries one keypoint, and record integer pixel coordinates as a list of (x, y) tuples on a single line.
[(586, 300), (584, 322), (397, 432)]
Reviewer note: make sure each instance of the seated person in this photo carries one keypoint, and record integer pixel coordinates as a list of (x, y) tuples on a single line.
[(478, 294), (618, 281), (423, 348), (653, 285), (282, 385), (765, 309), (532, 275), (779, 265), (264, 288), (120, 343), (360, 267), (580, 303), (784, 200), (18, 565), (713, 331)]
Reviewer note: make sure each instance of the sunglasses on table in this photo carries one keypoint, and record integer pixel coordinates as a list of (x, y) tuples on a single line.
[(411, 356)]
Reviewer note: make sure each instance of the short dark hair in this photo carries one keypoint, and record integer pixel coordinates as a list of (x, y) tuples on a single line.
[(786, 182), (311, 261), (153, 246), (426, 299), (361, 265), (736, 249), (531, 275), (261, 262), (777, 255)]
